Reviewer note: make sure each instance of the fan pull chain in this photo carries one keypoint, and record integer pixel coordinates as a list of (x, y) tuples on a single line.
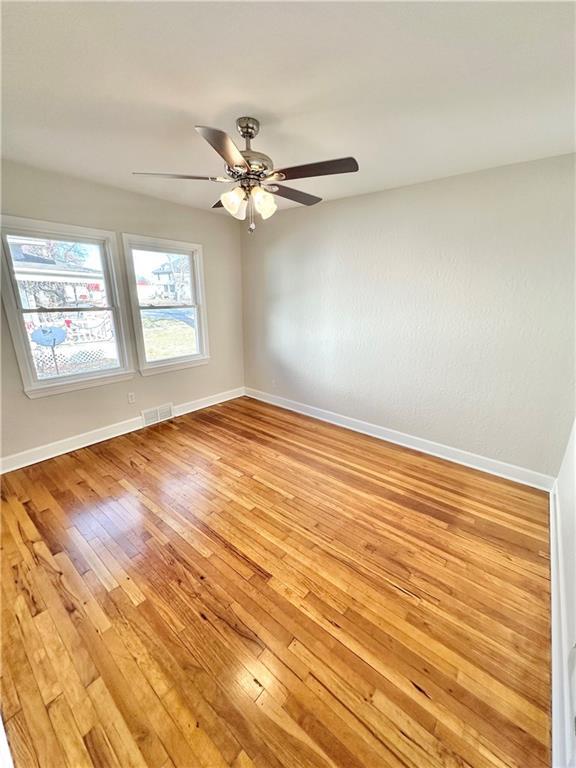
[(251, 225)]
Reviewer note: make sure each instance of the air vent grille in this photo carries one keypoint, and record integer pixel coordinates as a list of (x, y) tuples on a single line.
[(165, 412), (154, 415)]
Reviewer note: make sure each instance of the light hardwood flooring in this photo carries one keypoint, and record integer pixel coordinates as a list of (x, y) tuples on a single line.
[(245, 586)]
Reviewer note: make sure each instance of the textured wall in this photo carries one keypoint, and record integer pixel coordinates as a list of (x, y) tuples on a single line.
[(41, 195), (443, 310)]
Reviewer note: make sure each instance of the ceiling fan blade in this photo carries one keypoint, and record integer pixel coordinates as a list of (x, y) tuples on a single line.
[(218, 204), (324, 168), (295, 194), (224, 145), (182, 176)]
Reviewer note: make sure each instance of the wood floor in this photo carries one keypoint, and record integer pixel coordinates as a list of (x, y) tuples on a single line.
[(246, 587)]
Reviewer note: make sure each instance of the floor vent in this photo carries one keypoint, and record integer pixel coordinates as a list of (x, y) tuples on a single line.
[(154, 415)]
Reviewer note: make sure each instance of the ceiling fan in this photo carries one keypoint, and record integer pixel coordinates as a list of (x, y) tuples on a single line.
[(254, 174)]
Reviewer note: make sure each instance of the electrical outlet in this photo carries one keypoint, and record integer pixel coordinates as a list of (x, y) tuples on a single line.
[(131, 398)]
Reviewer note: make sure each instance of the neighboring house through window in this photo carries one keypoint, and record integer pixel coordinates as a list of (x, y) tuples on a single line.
[(61, 300), (64, 305), (168, 305)]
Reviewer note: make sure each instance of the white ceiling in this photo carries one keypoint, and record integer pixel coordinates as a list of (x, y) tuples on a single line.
[(414, 91)]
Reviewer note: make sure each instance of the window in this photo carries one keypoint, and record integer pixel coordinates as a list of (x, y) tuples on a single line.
[(167, 295), (62, 307)]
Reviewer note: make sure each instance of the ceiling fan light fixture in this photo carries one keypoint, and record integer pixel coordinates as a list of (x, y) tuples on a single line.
[(250, 169), (235, 202), (263, 202)]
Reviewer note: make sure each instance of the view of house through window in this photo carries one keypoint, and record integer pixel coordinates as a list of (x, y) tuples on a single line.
[(167, 304), (66, 310)]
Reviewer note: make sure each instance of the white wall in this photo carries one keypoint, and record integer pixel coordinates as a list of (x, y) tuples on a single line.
[(564, 609), (443, 310), (41, 195)]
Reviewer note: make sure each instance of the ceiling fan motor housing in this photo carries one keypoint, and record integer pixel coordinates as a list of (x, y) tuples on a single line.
[(258, 162)]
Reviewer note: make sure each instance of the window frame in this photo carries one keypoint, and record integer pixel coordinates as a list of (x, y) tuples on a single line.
[(33, 386), (193, 251)]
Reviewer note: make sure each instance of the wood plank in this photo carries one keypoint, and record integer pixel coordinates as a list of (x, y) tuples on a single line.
[(20, 742), (68, 734)]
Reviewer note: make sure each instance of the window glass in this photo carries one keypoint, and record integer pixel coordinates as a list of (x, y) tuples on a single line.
[(162, 279), (168, 319), (65, 307), (71, 343), (169, 333), (57, 273)]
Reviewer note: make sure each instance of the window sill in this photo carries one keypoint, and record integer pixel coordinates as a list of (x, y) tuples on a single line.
[(152, 370), (60, 388)]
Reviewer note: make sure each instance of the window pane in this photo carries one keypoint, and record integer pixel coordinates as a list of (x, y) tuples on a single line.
[(68, 343), (162, 278), (57, 273), (169, 333)]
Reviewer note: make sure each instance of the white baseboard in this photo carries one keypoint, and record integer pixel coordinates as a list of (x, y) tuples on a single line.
[(205, 402), (43, 452), (561, 727), (484, 464), (492, 466)]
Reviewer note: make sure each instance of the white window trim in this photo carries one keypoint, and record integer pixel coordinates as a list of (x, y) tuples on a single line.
[(34, 387), (194, 250)]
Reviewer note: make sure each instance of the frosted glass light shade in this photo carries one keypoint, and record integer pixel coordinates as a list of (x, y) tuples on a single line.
[(234, 201), (264, 202)]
